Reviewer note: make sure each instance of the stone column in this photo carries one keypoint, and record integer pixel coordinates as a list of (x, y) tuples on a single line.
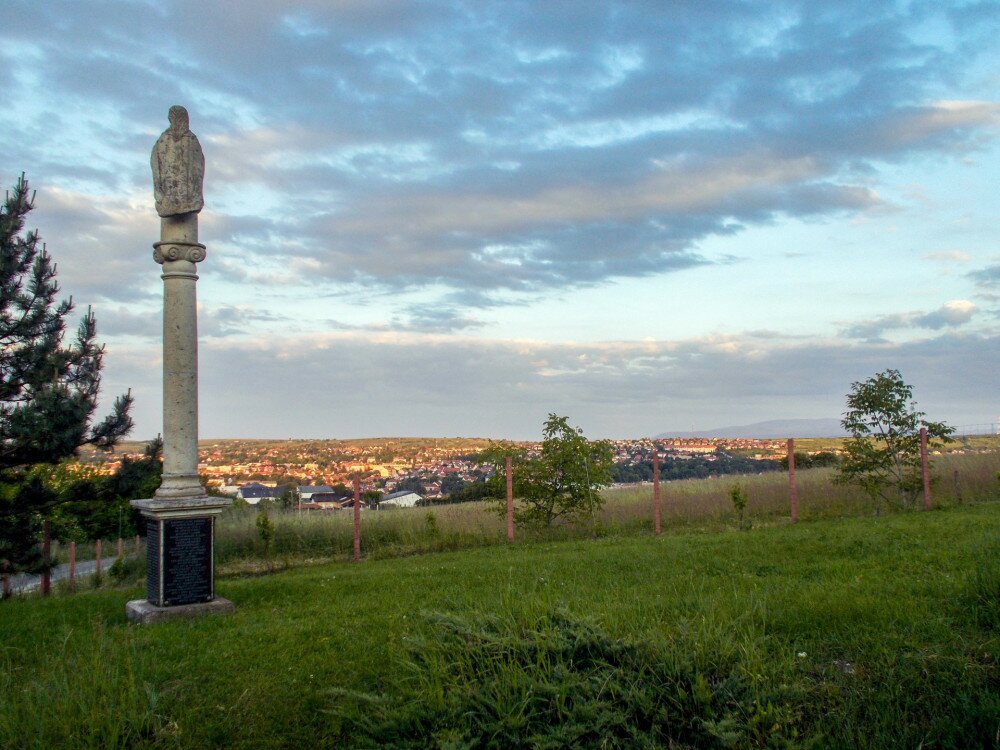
[(180, 517), (178, 251)]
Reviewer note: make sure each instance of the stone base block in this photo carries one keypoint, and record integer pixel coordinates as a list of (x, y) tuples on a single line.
[(145, 613)]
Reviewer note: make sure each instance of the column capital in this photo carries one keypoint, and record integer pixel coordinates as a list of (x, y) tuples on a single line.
[(166, 250)]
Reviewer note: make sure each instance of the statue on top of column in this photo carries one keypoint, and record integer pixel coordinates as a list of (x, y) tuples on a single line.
[(178, 168)]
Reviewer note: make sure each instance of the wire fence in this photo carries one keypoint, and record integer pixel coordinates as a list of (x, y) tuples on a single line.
[(795, 494), (977, 430)]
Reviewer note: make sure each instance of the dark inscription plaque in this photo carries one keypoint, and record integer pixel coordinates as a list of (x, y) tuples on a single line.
[(187, 561), (153, 561)]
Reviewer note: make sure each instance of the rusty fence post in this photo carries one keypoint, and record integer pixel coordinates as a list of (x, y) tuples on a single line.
[(657, 509), (793, 488), (510, 500), (46, 557), (121, 548), (97, 557), (72, 566), (925, 468), (135, 545), (357, 519)]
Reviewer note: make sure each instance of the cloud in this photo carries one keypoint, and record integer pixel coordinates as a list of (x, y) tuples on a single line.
[(123, 321), (947, 123), (950, 315), (986, 278), (949, 256), (502, 147), (366, 384), (472, 155), (436, 320), (101, 242)]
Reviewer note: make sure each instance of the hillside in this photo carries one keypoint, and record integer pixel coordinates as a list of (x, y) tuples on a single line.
[(842, 633), (771, 429)]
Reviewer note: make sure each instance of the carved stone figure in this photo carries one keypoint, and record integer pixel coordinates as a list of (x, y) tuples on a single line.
[(178, 168)]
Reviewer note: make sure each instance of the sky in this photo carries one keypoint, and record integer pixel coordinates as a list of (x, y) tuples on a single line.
[(450, 218)]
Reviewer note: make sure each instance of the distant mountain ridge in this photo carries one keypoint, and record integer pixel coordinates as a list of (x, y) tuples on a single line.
[(774, 428)]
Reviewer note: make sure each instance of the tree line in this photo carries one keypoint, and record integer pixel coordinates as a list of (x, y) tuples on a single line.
[(673, 467)]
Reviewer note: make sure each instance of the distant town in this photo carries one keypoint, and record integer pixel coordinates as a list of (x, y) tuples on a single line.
[(435, 469), (437, 466)]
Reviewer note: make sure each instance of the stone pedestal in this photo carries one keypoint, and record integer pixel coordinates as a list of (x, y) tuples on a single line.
[(180, 565)]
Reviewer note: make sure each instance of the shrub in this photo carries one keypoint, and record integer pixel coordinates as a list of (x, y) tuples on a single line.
[(265, 528), (738, 497), (562, 482)]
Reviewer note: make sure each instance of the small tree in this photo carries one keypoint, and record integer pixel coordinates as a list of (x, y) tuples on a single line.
[(882, 456), (738, 497), (265, 529), (563, 481), (48, 391)]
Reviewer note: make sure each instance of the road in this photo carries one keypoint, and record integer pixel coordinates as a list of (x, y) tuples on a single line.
[(24, 582)]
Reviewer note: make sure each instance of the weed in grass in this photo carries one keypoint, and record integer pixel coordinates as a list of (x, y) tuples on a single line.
[(128, 570), (556, 681), (431, 527)]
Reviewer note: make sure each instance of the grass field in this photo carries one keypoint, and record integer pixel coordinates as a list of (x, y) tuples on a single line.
[(688, 505), (856, 632), (957, 443)]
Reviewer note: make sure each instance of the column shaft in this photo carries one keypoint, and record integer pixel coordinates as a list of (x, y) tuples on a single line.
[(180, 365)]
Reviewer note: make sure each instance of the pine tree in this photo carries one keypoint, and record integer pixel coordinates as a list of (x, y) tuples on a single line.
[(48, 390)]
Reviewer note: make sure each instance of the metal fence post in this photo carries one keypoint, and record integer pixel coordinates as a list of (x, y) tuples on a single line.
[(510, 500), (46, 557), (925, 468), (793, 489), (657, 510), (72, 566), (357, 519)]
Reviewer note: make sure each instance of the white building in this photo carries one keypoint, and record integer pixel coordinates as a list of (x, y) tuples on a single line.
[(403, 499)]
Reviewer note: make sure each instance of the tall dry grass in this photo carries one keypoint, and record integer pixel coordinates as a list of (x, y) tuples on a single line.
[(324, 535), (956, 479), (687, 504)]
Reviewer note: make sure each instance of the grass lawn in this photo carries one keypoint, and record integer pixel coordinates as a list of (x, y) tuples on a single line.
[(860, 632)]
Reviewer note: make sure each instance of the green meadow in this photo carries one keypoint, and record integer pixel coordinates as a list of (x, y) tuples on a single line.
[(847, 632)]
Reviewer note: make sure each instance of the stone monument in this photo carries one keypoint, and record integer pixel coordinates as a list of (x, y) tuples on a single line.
[(180, 517)]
